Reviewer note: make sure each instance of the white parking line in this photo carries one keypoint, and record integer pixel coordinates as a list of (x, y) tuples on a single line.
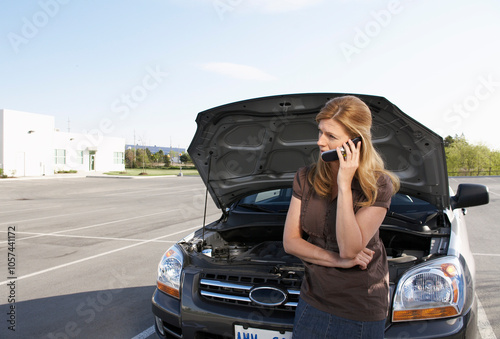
[(115, 221), (181, 190), (146, 333), (134, 192), (49, 217), (91, 226), (85, 237), (491, 192), (483, 324), (24, 210), (97, 255)]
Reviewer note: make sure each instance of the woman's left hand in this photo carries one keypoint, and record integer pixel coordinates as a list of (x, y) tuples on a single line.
[(349, 164), (362, 259)]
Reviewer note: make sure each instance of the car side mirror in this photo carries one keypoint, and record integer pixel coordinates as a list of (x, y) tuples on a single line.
[(469, 195)]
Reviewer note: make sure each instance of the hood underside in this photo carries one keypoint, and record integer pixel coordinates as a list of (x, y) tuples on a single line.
[(258, 144)]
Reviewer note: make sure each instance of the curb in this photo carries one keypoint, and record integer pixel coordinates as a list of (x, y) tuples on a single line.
[(103, 176), (130, 177)]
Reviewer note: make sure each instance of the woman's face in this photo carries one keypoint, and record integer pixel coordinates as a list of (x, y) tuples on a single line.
[(331, 135)]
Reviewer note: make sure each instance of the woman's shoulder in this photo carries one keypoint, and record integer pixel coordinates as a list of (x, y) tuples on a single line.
[(300, 182), (303, 172), (384, 180), (385, 185)]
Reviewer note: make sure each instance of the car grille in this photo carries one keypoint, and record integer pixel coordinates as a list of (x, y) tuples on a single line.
[(236, 289)]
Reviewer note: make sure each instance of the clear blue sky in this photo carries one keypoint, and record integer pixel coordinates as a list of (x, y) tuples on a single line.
[(149, 66)]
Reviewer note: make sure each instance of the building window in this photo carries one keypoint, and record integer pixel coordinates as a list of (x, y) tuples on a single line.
[(118, 158), (60, 156), (79, 157)]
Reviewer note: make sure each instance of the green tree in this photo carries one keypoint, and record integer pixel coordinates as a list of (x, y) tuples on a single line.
[(448, 141), (184, 158), (464, 158), (157, 157), (494, 163), (141, 158), (166, 160), (459, 156), (129, 158)]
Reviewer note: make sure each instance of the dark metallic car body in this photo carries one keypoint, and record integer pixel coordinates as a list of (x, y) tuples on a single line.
[(235, 273)]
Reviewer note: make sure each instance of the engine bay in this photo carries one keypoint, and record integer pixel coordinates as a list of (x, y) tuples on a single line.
[(263, 245)]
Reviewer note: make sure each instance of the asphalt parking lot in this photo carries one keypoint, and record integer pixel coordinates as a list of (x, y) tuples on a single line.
[(79, 255), (87, 250)]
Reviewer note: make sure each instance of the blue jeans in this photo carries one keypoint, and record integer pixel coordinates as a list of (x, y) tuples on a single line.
[(313, 323)]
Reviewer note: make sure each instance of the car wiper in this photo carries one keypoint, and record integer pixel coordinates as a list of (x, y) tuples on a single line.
[(256, 207), (403, 217)]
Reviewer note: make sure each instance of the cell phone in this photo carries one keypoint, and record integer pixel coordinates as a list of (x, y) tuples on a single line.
[(332, 155)]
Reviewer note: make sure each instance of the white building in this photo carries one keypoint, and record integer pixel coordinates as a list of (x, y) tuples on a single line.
[(31, 146)]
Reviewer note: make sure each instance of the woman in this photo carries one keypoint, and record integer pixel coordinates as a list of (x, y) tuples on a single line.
[(332, 225)]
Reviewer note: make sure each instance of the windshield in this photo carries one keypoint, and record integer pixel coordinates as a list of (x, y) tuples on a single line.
[(277, 200), (404, 204)]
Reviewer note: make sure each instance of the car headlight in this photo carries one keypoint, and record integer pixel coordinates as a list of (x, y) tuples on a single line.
[(435, 289), (169, 271)]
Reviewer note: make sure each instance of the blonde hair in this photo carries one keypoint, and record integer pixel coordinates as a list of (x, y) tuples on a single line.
[(355, 116)]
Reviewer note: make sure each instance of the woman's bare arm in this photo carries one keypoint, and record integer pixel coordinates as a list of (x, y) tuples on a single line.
[(354, 231), (294, 244)]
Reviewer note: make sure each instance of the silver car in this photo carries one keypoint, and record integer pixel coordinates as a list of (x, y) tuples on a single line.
[(232, 278)]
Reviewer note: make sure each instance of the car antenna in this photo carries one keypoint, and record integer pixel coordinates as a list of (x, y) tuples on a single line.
[(206, 198)]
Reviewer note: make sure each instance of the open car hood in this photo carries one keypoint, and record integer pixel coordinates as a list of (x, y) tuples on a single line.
[(258, 144)]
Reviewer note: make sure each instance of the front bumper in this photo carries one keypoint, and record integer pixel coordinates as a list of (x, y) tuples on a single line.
[(464, 326), (200, 319)]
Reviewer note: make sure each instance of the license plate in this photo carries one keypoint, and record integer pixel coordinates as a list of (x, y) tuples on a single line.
[(257, 333)]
